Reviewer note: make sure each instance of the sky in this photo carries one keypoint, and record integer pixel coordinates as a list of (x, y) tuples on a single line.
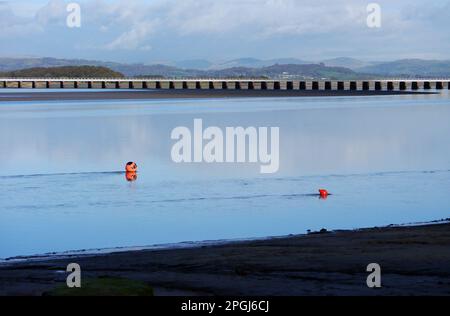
[(150, 31)]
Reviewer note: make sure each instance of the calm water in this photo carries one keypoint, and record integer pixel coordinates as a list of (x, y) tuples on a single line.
[(385, 159)]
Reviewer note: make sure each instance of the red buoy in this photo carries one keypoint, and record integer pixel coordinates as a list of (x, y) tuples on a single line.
[(131, 167), (323, 193)]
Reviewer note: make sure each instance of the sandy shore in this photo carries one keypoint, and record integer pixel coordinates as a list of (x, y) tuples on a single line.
[(414, 261), (180, 94)]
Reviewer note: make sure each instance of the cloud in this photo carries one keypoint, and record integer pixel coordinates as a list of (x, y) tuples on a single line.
[(249, 19), (13, 25), (171, 28), (259, 17), (53, 13), (134, 38)]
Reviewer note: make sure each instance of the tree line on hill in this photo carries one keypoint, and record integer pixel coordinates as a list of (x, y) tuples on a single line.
[(63, 72)]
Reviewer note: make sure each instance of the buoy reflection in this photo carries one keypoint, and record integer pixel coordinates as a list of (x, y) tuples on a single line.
[(131, 176)]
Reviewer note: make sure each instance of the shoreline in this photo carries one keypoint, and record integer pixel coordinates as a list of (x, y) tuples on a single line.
[(27, 96), (415, 261), (94, 252)]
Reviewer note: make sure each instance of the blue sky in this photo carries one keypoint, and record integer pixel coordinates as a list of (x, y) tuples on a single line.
[(172, 30)]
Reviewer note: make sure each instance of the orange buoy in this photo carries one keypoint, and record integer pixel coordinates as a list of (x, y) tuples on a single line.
[(323, 193), (131, 176), (131, 167)]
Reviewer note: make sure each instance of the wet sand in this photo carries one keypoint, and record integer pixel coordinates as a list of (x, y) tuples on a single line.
[(181, 94), (414, 261)]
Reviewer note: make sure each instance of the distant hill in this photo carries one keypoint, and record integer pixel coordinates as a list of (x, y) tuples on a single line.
[(200, 64), (346, 62), (337, 68), (411, 68), (10, 64), (287, 71), (129, 70), (255, 63), (43, 66), (62, 72), (133, 70)]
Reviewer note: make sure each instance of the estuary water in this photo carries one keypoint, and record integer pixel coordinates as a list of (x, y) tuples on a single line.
[(386, 160)]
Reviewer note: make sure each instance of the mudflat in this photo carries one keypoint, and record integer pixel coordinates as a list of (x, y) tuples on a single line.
[(414, 261)]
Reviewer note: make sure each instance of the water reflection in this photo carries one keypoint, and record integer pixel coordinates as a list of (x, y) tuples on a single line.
[(347, 136), (131, 176), (384, 159)]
